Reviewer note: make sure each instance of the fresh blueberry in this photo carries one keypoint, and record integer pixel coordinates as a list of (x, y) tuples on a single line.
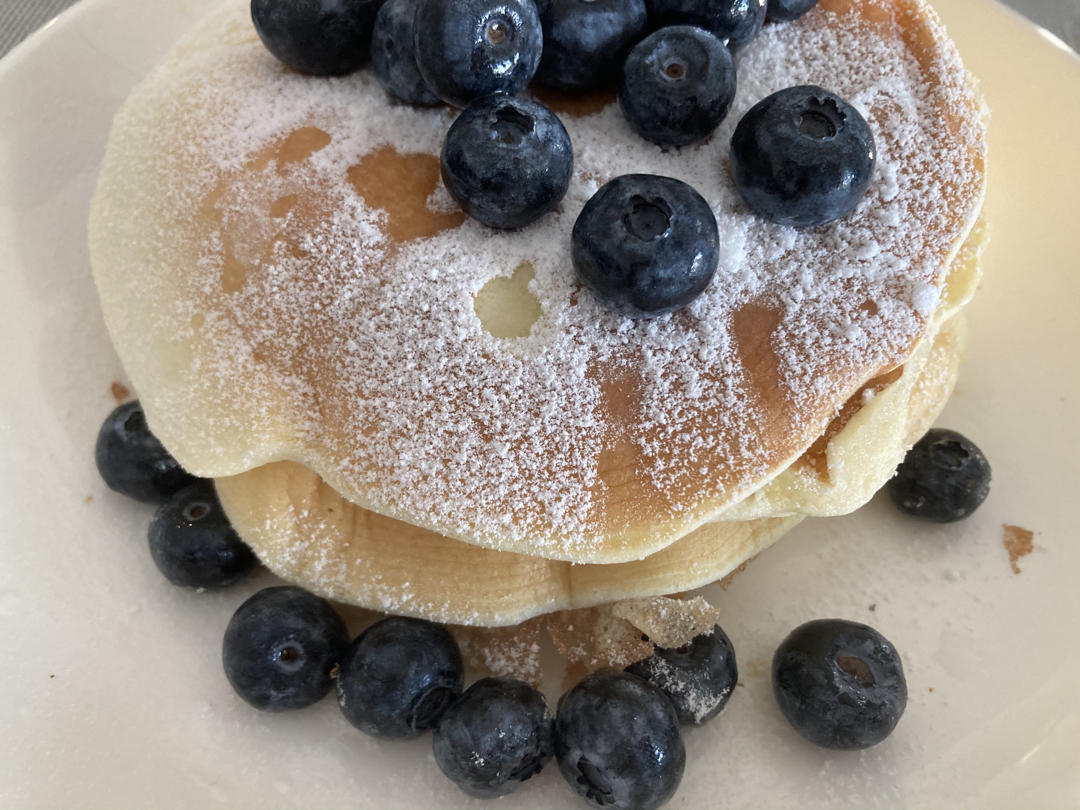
[(398, 677), (802, 156), (617, 742), (507, 161), (471, 48), (318, 37), (585, 41), (393, 53), (645, 244), (677, 85), (280, 648), (133, 462), (698, 678), (943, 478), (494, 737), (839, 683), (193, 544), (736, 22), (787, 10)]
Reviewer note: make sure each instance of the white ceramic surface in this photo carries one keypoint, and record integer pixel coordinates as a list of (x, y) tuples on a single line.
[(112, 693)]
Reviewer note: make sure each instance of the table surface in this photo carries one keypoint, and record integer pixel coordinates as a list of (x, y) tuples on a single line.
[(19, 18)]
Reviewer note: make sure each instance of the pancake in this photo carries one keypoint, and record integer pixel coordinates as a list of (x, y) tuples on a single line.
[(284, 279), (309, 534)]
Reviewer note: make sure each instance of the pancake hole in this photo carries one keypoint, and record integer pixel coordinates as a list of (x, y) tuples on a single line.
[(505, 306)]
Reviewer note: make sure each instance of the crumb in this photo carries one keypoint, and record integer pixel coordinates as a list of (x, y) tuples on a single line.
[(873, 607), (1019, 542), (121, 393), (739, 683), (756, 669), (931, 689), (52, 676), (88, 499), (725, 583)]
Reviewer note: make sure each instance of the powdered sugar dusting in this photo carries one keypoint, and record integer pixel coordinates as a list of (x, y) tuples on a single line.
[(300, 311)]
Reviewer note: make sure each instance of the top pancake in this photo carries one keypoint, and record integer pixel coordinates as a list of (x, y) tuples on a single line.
[(284, 278)]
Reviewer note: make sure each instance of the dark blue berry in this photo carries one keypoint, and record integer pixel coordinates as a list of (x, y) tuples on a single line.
[(677, 85), (398, 677), (585, 41), (802, 156), (943, 478), (133, 462), (494, 737), (736, 22), (319, 37), (507, 161), (393, 53), (698, 678), (471, 48), (787, 10), (280, 648), (839, 683), (617, 742), (193, 544), (645, 244)]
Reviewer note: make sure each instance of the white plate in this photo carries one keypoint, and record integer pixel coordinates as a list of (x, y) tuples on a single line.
[(112, 695)]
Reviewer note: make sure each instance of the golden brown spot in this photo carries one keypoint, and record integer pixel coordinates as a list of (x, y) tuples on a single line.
[(577, 105), (1019, 542), (233, 272), (120, 392), (505, 306), (300, 145), (816, 456), (753, 326), (296, 147), (88, 499), (400, 185), (283, 205)]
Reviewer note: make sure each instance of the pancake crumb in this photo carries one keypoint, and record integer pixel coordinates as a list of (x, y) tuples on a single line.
[(1019, 542)]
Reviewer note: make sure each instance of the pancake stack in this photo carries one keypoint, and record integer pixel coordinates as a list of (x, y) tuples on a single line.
[(408, 411)]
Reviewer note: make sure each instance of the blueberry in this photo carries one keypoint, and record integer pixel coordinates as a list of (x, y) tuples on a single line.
[(393, 53), (133, 462), (507, 161), (787, 10), (193, 544), (698, 678), (736, 22), (280, 647), (802, 156), (585, 41), (494, 737), (677, 85), (318, 37), (943, 478), (645, 244), (471, 48), (839, 683), (398, 677), (617, 742)]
